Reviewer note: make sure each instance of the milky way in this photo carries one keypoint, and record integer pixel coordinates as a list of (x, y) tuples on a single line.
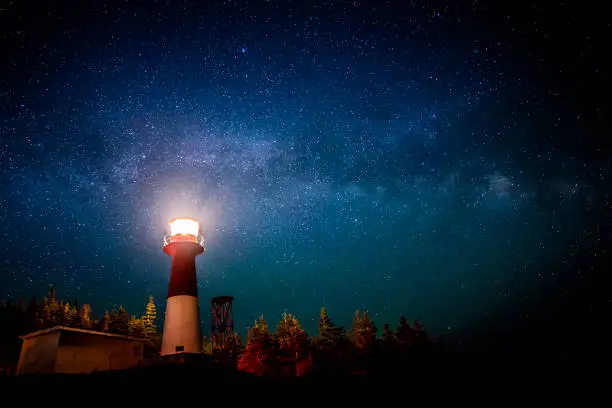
[(398, 160)]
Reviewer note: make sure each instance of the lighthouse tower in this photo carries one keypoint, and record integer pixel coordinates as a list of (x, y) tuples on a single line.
[(182, 320)]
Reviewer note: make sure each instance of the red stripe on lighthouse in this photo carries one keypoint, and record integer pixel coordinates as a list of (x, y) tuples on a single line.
[(183, 280)]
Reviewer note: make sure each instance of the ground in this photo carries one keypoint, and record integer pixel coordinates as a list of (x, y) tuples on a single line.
[(507, 375)]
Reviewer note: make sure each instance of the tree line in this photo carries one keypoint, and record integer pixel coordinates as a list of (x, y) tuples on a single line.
[(289, 351), (286, 351)]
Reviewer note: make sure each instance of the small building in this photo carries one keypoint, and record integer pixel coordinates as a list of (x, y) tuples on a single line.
[(68, 350)]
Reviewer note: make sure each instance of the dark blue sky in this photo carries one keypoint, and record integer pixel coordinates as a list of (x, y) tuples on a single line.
[(402, 157)]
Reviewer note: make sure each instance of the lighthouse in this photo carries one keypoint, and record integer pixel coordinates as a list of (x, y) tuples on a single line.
[(182, 319)]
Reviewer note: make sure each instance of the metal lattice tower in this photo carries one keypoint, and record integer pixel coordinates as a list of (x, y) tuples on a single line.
[(222, 330)]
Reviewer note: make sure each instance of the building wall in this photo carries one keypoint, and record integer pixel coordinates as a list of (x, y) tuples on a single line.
[(38, 354), (86, 353)]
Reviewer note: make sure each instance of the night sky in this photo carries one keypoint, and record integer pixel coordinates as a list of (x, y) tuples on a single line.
[(405, 157)]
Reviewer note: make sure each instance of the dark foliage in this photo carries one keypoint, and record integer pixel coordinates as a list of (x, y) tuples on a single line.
[(289, 352)]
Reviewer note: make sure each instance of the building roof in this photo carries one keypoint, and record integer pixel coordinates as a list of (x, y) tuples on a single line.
[(72, 329)]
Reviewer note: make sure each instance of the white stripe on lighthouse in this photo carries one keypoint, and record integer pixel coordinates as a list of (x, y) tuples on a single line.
[(181, 326)]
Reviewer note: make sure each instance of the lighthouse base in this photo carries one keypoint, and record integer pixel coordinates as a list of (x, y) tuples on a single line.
[(181, 326)]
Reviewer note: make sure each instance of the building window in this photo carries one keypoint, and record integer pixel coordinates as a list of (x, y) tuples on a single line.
[(180, 348)]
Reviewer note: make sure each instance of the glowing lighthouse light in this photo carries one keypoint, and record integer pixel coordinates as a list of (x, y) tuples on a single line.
[(184, 226), (184, 229)]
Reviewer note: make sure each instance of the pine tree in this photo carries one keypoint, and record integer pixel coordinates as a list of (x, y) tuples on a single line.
[(120, 321), (107, 322), (44, 313), (259, 354), (331, 344), (207, 345), (420, 336), (329, 336), (405, 334), (75, 316), (85, 316), (60, 314), (50, 308), (152, 347), (292, 341), (363, 338), (363, 332), (136, 327), (290, 334), (370, 326), (68, 315), (388, 342), (52, 299), (149, 318), (388, 336)]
